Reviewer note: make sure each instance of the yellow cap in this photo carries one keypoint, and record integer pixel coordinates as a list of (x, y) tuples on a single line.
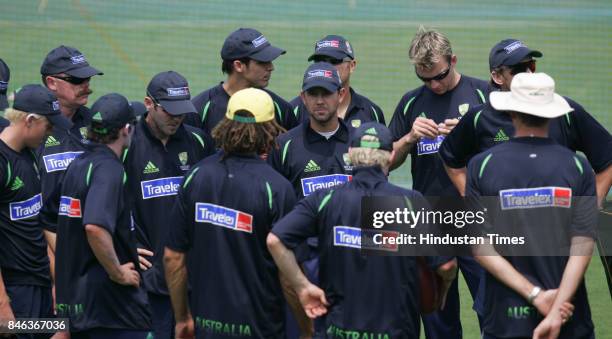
[(254, 100)]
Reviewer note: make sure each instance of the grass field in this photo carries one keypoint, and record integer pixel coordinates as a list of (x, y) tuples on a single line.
[(132, 40)]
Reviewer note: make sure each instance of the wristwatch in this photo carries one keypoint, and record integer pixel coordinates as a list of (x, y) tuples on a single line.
[(533, 294)]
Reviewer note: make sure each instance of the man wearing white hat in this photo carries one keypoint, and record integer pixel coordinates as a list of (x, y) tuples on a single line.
[(534, 177)]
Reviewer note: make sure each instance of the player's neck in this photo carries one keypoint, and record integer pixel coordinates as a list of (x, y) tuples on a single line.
[(117, 147), (12, 137), (234, 84), (525, 131), (456, 78), (324, 127), (67, 110), (157, 133)]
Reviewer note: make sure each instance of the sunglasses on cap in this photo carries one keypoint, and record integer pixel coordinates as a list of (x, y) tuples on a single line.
[(332, 61), (438, 77), (71, 79), (523, 67)]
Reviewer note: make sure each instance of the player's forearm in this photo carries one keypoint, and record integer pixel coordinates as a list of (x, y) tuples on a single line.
[(51, 238), (503, 271), (574, 269), (176, 278), (401, 147), (304, 323), (457, 177), (101, 244), (603, 181), (4, 298), (286, 262)]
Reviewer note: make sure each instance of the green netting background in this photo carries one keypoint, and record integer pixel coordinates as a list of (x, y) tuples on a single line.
[(133, 40)]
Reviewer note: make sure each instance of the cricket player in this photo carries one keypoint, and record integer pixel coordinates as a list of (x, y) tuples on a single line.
[(5, 76)]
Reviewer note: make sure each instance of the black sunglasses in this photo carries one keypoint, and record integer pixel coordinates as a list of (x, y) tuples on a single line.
[(438, 77), (71, 79), (333, 61), (523, 67)]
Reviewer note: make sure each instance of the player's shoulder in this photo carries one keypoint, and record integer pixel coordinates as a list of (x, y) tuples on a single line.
[(296, 132), (295, 102), (476, 83), (278, 99), (208, 94)]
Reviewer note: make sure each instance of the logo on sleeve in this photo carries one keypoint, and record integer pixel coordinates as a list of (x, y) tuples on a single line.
[(536, 197), (355, 237), (161, 187), (150, 168), (59, 161), (224, 217), (312, 166), (26, 208), (70, 207), (429, 145), (310, 185)]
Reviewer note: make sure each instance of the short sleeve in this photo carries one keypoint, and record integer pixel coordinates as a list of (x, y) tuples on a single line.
[(461, 144), (584, 209), (103, 201), (183, 214), (591, 138), (401, 122)]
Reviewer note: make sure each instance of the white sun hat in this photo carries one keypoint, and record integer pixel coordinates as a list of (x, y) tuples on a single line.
[(533, 94)]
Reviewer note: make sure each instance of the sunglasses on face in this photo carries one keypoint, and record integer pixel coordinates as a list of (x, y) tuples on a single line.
[(333, 61), (438, 77), (71, 79), (523, 67)]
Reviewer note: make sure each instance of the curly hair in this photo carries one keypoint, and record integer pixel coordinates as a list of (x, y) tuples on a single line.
[(238, 137)]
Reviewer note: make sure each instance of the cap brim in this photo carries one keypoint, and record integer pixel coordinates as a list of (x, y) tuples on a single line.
[(518, 57), (338, 55), (505, 101), (84, 72), (267, 54), (178, 107), (323, 84), (3, 102), (59, 121)]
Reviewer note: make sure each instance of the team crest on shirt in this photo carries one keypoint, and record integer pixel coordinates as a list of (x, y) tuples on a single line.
[(463, 108), (183, 158), (356, 123), (83, 131), (535, 197)]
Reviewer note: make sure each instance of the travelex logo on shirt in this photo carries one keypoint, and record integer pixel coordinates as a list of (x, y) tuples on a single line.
[(429, 146), (26, 208), (310, 185), (224, 217), (160, 187), (59, 161), (355, 237), (70, 207), (535, 197)]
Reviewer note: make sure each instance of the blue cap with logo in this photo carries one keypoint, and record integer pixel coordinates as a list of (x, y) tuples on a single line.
[(40, 100), (171, 91), (510, 52), (68, 60), (5, 76), (249, 43), (321, 74), (111, 111), (372, 135), (333, 46)]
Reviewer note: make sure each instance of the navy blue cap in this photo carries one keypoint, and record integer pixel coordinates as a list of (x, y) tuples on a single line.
[(334, 46), (321, 74), (111, 111), (40, 100), (139, 108), (68, 60), (382, 136), (248, 42), (171, 91), (5, 76), (510, 52)]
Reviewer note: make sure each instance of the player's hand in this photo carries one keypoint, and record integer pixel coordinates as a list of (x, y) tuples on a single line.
[(144, 263), (6, 315), (313, 301), (550, 327), (544, 301), (184, 329), (422, 127), (448, 273), (444, 128), (127, 275)]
